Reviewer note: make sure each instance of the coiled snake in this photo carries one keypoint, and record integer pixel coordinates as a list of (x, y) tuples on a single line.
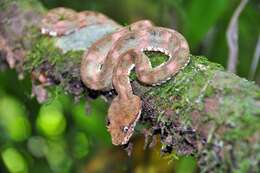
[(108, 62)]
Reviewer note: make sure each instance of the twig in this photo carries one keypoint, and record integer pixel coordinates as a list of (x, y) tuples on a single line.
[(232, 37), (255, 59)]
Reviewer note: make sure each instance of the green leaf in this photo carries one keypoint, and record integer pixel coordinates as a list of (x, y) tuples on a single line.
[(201, 15), (14, 161)]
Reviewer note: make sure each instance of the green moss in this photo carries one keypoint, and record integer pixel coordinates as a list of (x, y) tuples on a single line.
[(24, 4), (238, 117), (185, 91), (45, 50), (236, 110), (31, 4), (184, 94), (156, 58)]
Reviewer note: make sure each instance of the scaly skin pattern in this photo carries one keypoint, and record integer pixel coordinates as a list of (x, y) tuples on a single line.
[(96, 68), (63, 21), (59, 21), (87, 18), (108, 62), (125, 109)]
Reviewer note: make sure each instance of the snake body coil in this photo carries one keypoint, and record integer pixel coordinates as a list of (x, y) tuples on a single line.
[(108, 62)]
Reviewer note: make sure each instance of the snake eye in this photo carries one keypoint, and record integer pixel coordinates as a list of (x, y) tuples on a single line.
[(125, 129), (107, 122)]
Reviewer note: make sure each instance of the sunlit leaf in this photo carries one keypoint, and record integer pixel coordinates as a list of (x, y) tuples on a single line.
[(14, 161), (201, 15), (13, 119), (51, 121)]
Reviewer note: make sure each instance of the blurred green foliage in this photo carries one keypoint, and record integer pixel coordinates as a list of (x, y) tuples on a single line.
[(62, 136), (50, 120), (13, 119), (14, 161)]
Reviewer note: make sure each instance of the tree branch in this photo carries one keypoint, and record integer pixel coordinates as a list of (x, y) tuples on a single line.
[(204, 110)]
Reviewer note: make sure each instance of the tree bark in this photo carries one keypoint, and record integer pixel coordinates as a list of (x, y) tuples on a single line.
[(204, 110)]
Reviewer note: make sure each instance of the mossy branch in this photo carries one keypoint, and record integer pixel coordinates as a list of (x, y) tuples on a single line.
[(204, 110)]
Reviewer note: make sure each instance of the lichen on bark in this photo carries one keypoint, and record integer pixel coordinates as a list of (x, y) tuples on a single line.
[(212, 114)]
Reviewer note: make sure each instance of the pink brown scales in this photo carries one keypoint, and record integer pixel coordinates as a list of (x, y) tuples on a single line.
[(63, 21), (108, 63)]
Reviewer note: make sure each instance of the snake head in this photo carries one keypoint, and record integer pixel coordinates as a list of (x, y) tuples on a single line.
[(122, 117)]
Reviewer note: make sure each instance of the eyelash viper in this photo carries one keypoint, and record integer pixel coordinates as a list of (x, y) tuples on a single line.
[(108, 62)]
